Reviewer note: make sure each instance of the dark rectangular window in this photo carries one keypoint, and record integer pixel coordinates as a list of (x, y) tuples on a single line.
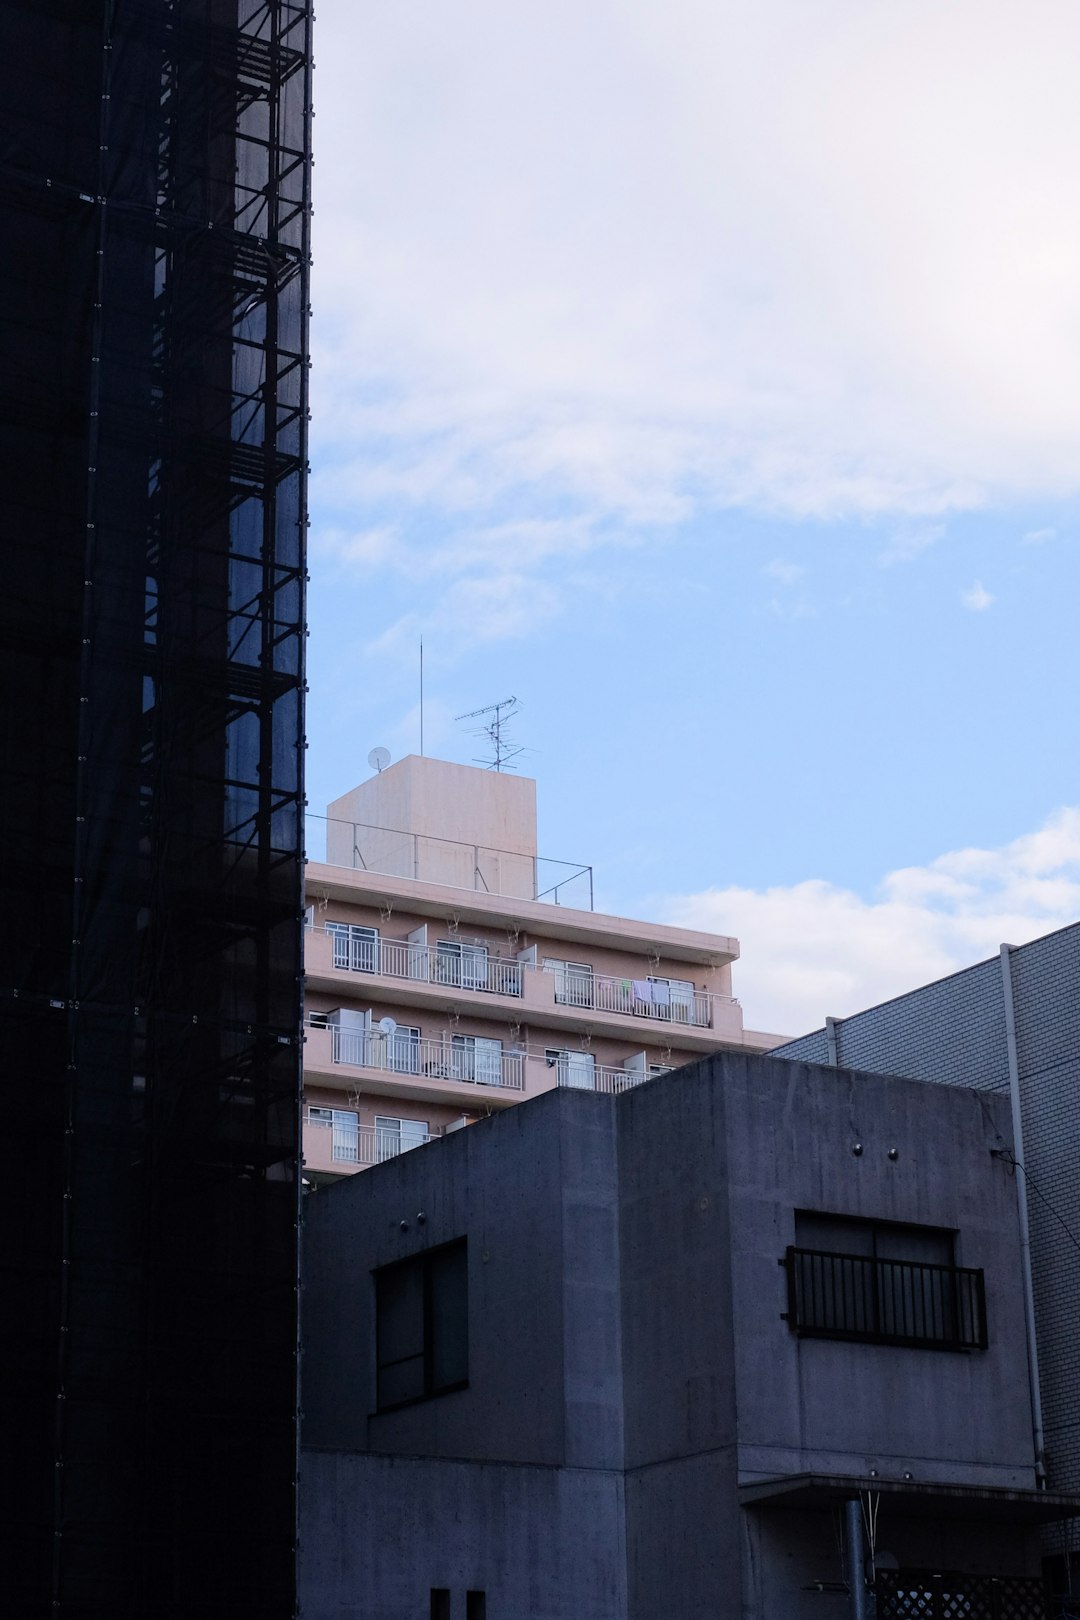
[(422, 1326), (440, 1603), (884, 1282), (476, 1606)]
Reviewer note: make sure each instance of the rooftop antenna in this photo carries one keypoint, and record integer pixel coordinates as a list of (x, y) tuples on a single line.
[(501, 713), (379, 758)]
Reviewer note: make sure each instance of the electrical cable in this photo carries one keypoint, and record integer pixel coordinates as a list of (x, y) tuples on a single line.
[(1011, 1159), (870, 1503)]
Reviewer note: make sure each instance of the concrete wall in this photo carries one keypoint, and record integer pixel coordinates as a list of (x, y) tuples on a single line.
[(537, 1201), (377, 1533), (514, 1409), (544, 1539), (826, 1406), (719, 1391), (954, 1031), (682, 1517), (628, 1362)]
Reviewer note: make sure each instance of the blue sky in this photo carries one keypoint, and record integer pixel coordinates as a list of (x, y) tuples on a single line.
[(707, 381)]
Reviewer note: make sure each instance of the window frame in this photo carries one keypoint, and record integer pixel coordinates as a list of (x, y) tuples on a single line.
[(425, 1260), (358, 943), (472, 959), (575, 982)]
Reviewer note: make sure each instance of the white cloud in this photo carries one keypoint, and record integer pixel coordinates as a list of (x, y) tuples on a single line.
[(977, 599), (910, 542), (1036, 537), (787, 609), (813, 948), (501, 605), (788, 573), (360, 550), (630, 261)]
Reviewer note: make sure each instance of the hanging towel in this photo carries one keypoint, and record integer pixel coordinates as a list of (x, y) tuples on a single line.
[(643, 990), (661, 994)]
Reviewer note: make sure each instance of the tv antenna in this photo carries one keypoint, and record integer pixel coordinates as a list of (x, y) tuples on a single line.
[(501, 714), (379, 758)]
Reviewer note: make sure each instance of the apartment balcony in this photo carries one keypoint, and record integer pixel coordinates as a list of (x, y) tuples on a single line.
[(609, 1079), (651, 1008), (339, 1147), (403, 973), (663, 1001), (445, 1070), (406, 972), (458, 1068)]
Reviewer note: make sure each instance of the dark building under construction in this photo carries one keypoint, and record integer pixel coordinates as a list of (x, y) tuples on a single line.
[(154, 165)]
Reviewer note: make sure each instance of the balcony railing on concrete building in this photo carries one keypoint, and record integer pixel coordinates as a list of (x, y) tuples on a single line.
[(468, 966), (433, 1060), (481, 1064), (366, 1144), (392, 852), (659, 999), (399, 959), (601, 1077)]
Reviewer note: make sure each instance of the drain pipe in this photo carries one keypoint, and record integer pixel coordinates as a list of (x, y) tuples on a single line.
[(1022, 1208), (856, 1559)]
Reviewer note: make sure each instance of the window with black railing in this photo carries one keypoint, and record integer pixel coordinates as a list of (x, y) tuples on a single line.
[(882, 1283)]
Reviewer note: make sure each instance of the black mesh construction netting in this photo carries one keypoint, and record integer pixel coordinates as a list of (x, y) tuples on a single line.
[(154, 168)]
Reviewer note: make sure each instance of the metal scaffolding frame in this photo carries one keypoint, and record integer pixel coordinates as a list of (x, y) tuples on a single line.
[(155, 174)]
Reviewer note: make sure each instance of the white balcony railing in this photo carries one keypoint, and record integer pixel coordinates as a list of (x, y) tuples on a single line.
[(657, 999), (601, 1077), (366, 1144), (433, 1060), (398, 959)]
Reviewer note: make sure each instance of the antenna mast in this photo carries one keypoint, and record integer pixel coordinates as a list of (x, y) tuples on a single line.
[(501, 713)]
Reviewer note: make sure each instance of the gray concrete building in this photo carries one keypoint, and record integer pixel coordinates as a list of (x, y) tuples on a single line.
[(1011, 1026), (745, 1341)]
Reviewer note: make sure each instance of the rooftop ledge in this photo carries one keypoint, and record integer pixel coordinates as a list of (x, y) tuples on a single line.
[(914, 1498), (428, 899)]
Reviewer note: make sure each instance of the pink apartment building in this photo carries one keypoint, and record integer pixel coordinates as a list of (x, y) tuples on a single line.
[(451, 971)]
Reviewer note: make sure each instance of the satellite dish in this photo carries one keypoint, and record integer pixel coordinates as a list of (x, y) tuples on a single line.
[(388, 1026), (379, 758)]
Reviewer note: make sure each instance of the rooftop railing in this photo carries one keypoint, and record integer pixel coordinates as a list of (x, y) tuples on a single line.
[(393, 852)]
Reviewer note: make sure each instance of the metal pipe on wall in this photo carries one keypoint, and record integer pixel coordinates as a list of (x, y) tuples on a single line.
[(1022, 1207), (855, 1558)]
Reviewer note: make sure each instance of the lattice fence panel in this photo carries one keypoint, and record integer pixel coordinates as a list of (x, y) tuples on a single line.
[(931, 1595)]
